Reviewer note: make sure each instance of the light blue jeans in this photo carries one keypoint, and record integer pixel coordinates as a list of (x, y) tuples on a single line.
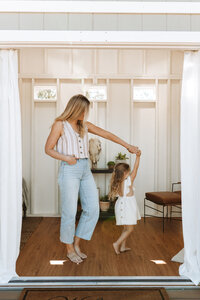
[(73, 179)]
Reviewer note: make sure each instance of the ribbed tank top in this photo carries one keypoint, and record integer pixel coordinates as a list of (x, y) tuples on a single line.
[(70, 143)]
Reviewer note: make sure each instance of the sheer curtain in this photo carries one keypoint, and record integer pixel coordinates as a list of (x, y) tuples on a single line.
[(190, 165), (10, 165)]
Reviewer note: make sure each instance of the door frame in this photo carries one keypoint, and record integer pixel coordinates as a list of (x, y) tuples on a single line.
[(16, 39)]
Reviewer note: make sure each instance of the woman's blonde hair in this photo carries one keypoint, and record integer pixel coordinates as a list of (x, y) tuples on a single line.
[(117, 178), (76, 105)]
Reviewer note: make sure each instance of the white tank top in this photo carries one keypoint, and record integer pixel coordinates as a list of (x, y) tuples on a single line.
[(70, 143)]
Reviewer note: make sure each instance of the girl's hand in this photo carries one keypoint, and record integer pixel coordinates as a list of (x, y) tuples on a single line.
[(138, 153), (132, 149), (71, 160)]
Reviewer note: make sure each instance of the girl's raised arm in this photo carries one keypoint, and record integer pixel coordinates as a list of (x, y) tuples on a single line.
[(136, 165)]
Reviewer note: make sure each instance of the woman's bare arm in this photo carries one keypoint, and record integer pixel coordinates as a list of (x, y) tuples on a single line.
[(136, 165), (56, 132), (110, 136)]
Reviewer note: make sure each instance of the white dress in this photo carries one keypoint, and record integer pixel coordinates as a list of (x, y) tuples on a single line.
[(126, 209)]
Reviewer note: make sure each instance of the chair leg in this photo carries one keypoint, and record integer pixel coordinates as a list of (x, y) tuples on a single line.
[(144, 209), (170, 213)]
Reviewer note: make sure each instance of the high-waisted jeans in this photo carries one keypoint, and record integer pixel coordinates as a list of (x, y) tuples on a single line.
[(73, 179)]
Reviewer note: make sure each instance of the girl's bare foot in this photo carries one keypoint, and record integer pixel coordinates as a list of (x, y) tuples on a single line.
[(73, 257), (116, 248), (124, 249), (78, 251)]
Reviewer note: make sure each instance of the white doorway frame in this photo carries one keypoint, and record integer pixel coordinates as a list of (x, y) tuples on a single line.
[(57, 39), (185, 40)]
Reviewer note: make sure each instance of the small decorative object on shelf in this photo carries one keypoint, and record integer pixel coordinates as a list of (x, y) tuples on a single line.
[(104, 203), (94, 151), (111, 165), (120, 158)]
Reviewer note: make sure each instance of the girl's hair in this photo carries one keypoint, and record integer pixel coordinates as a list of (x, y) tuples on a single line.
[(76, 105), (117, 178)]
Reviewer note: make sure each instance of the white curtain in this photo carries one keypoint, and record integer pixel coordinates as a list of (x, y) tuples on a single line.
[(190, 165), (10, 165)]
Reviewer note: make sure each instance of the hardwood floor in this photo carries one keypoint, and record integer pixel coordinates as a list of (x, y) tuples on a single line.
[(147, 241)]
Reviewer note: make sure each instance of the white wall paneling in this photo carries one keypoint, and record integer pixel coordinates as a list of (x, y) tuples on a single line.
[(25, 98), (32, 147), (153, 126), (100, 7), (44, 192), (96, 39)]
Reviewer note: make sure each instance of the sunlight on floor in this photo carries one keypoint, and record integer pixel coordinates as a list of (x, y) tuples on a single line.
[(57, 262), (159, 262)]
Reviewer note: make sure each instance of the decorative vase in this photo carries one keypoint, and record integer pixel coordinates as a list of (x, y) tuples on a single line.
[(121, 161), (110, 167), (104, 205)]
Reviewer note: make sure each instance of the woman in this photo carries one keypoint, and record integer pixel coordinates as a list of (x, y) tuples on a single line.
[(69, 134)]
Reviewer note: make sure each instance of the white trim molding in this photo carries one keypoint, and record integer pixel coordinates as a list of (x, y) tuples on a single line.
[(100, 7), (186, 40)]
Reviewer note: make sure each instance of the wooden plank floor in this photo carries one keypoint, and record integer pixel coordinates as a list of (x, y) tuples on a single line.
[(147, 242)]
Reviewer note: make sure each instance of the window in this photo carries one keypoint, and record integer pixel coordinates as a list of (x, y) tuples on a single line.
[(45, 93)]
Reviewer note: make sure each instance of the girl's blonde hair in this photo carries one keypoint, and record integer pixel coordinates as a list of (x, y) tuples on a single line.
[(117, 178), (76, 105)]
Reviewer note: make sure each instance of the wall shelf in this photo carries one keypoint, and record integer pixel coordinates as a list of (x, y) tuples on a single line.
[(102, 171)]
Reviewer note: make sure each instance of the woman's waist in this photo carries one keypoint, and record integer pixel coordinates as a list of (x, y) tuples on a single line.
[(78, 159)]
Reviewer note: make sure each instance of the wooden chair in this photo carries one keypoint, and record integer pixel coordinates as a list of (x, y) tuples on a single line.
[(164, 199)]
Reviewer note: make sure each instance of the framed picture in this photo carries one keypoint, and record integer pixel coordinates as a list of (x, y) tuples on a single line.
[(96, 93), (45, 93)]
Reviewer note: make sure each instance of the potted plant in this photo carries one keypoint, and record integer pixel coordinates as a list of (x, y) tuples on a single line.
[(121, 158), (104, 203), (111, 165)]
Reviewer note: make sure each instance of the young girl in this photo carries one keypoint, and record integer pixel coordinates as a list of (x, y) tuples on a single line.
[(126, 210)]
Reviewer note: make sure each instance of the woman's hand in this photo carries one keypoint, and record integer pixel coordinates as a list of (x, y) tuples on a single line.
[(132, 149), (71, 159)]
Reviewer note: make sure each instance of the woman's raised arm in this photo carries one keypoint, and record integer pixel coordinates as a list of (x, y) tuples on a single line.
[(110, 136)]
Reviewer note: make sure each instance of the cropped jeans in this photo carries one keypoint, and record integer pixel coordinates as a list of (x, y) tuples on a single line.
[(73, 179)]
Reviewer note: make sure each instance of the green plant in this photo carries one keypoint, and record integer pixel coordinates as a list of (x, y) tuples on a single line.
[(111, 163), (104, 198), (121, 156)]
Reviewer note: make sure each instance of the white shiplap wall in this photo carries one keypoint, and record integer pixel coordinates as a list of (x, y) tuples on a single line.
[(143, 22), (154, 127)]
